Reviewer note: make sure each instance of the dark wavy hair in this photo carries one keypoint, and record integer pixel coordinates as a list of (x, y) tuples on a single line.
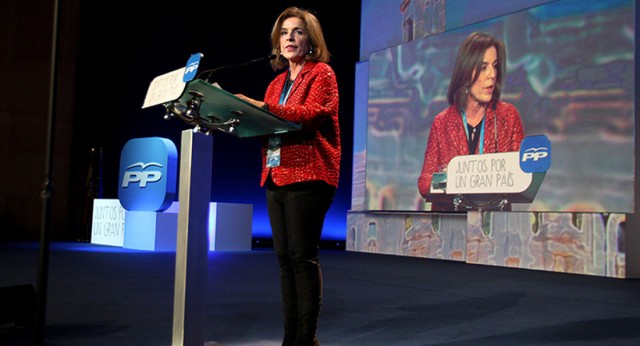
[(469, 59)]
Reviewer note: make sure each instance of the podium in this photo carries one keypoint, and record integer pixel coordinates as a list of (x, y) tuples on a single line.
[(489, 182), (488, 201), (208, 108)]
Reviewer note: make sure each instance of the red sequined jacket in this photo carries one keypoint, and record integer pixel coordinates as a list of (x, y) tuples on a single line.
[(313, 152), (447, 138)]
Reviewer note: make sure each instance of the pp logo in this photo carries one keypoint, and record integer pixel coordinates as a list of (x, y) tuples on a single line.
[(535, 154), (148, 169), (142, 177), (192, 67)]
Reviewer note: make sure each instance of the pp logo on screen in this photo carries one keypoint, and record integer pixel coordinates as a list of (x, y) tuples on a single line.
[(148, 169), (192, 67), (535, 154)]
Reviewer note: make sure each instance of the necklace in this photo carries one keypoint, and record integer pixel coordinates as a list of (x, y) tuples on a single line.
[(473, 140)]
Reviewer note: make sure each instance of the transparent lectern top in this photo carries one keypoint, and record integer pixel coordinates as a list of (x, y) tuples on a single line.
[(209, 107)]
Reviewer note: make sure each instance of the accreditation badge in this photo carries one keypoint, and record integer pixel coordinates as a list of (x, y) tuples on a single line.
[(273, 151)]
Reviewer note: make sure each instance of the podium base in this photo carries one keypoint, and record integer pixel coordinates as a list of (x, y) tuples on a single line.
[(229, 227)]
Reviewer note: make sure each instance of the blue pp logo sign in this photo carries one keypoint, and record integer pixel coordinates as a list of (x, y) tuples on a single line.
[(192, 67), (535, 154), (148, 169)]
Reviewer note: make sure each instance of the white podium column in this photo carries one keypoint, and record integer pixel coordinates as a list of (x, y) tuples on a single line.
[(191, 244)]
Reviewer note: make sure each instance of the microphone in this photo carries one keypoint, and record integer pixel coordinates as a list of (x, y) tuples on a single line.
[(246, 63)]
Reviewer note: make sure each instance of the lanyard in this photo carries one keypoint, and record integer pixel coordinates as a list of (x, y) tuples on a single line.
[(275, 143), (466, 130), (286, 90)]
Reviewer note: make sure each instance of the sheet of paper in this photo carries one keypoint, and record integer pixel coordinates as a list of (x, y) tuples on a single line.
[(165, 88)]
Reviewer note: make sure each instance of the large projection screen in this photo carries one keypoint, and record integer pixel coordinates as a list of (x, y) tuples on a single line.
[(570, 73)]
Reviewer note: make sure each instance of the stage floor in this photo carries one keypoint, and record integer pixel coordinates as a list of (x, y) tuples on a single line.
[(100, 295)]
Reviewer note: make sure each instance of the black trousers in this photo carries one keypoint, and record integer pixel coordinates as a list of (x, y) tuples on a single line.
[(297, 213)]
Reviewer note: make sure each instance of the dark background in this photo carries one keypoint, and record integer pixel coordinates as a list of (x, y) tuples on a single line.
[(108, 53)]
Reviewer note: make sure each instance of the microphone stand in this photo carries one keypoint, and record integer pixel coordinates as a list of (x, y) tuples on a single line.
[(47, 193)]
